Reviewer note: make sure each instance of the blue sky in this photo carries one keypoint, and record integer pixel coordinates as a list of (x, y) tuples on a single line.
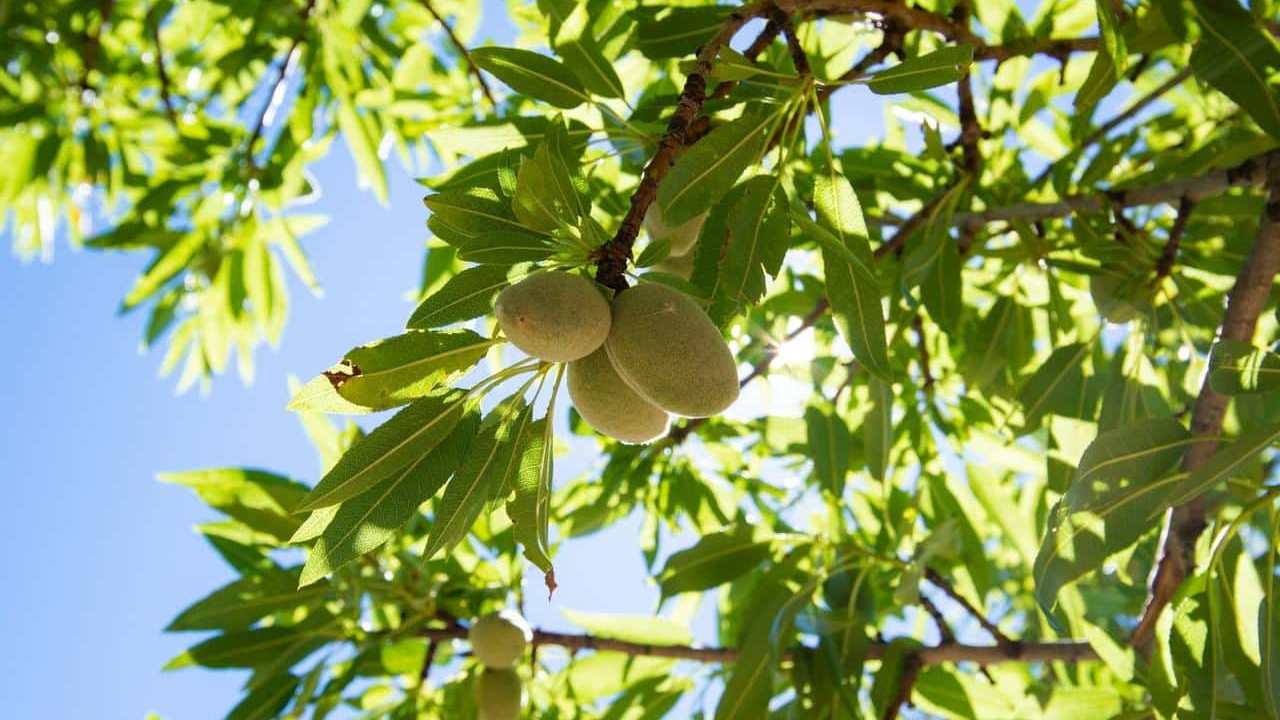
[(104, 555)]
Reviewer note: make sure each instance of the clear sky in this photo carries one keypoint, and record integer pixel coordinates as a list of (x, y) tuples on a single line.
[(104, 555)]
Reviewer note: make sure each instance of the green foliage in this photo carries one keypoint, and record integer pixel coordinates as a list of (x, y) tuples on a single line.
[(987, 385)]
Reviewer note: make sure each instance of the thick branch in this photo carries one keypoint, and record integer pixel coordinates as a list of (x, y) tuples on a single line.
[(1245, 303), (462, 50), (613, 257), (1064, 651)]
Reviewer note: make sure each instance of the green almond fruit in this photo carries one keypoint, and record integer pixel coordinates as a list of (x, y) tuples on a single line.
[(498, 640), (554, 316), (605, 401), (499, 695), (666, 349)]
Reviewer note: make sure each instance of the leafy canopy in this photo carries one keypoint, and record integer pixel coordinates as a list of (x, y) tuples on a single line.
[(1024, 334)]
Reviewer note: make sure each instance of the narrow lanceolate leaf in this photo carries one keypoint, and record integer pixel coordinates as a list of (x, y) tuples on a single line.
[(646, 629), (531, 74), (888, 680), (244, 649), (929, 245), (877, 428), (854, 295), (266, 700), (530, 509), (759, 228), (839, 211), (750, 684), (711, 167), (941, 288), (579, 49), (680, 31), (1123, 479), (363, 140), (716, 559), (1228, 461), (166, 265), (471, 212), (546, 197), (1237, 56), (407, 436), (1236, 368), (507, 248), (489, 459), (319, 395), (1056, 387), (239, 604), (365, 522), (261, 500), (1269, 635), (405, 367), (939, 67), (466, 296), (829, 447)]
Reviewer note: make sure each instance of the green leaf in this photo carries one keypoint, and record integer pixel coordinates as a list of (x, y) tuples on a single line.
[(893, 665), (506, 248), (407, 436), (1269, 634), (491, 460), (645, 629), (532, 74), (261, 500), (167, 264), (1237, 368), (405, 367), (939, 67), (711, 167), (681, 31), (244, 649), (1237, 57), (471, 212), (1225, 463), (877, 428), (365, 522), (240, 603), (576, 45), (750, 684), (941, 288), (266, 700), (467, 295), (530, 509), (319, 395), (854, 295), (362, 138), (1121, 481), (715, 559), (829, 447), (546, 198), (759, 228), (932, 242), (1057, 386)]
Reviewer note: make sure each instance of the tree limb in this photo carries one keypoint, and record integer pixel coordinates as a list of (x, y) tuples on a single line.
[(462, 50), (1065, 651), (1245, 303), (1251, 172)]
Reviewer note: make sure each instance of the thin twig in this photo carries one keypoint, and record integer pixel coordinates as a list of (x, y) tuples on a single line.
[(260, 124), (910, 671), (1248, 297), (798, 57), (1065, 651), (771, 30), (166, 95), (462, 50), (93, 42), (1164, 265), (937, 580), (926, 372)]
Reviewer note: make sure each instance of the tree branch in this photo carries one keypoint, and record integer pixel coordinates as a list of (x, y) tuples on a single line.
[(1170, 252), (166, 96), (462, 50), (276, 85), (1245, 303), (937, 580), (613, 257), (1251, 172), (1065, 651)]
